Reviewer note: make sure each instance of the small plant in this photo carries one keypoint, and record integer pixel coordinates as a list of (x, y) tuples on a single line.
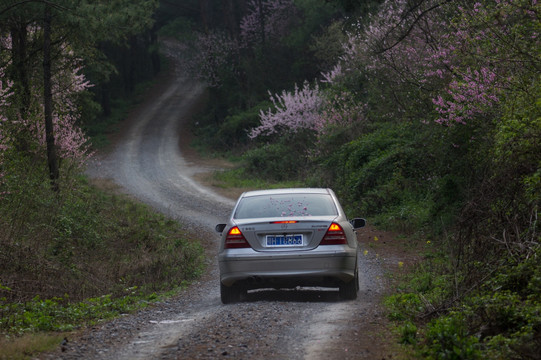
[(404, 306), (448, 338), (60, 314), (408, 333)]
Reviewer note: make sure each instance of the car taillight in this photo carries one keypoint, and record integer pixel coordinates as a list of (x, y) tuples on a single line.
[(235, 239), (335, 236)]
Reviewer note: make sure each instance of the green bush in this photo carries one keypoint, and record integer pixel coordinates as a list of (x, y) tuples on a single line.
[(408, 333), (447, 337), (497, 319), (233, 132), (284, 160), (404, 306)]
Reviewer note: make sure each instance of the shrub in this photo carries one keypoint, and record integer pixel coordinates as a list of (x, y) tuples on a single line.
[(84, 243), (286, 159), (447, 338)]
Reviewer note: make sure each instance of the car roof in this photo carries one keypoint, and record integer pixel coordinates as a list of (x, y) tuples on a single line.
[(286, 191)]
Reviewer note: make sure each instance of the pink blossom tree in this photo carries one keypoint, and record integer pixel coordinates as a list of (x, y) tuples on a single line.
[(266, 20), (215, 56), (71, 142), (309, 108), (5, 93), (490, 54), (67, 83), (341, 110), (461, 57), (293, 111)]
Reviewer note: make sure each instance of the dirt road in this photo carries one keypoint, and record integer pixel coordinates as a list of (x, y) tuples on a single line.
[(148, 163)]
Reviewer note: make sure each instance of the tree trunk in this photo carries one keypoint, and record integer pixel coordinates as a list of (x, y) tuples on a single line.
[(261, 20), (205, 13), (52, 160), (230, 19), (155, 55), (20, 63), (20, 60)]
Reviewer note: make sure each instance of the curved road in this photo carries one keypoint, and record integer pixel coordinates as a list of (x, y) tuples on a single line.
[(299, 324), (148, 164)]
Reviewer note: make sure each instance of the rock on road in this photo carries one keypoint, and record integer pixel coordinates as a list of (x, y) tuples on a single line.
[(146, 162)]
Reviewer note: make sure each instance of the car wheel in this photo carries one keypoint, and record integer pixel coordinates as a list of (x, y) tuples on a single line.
[(348, 291), (230, 294)]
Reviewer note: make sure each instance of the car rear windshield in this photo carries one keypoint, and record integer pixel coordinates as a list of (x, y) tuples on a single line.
[(285, 205)]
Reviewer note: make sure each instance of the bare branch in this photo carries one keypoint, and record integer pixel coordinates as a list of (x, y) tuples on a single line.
[(22, 2), (412, 25)]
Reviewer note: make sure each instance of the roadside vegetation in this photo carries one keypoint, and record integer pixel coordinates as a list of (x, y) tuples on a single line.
[(71, 254), (82, 255), (424, 116)]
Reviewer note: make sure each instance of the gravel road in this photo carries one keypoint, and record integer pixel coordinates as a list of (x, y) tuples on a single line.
[(147, 162)]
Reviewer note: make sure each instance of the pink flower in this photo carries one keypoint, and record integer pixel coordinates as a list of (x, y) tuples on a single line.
[(292, 110)]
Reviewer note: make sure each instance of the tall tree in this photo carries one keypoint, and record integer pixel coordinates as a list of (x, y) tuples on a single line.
[(204, 10), (48, 99), (67, 28)]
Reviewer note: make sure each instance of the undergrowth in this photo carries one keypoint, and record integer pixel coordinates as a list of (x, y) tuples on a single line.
[(498, 318), (80, 255), (238, 178)]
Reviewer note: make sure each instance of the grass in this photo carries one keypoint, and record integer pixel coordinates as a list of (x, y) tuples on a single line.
[(28, 345), (61, 314), (102, 128), (80, 256), (237, 178)]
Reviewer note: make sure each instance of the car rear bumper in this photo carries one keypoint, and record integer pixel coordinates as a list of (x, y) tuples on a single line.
[(327, 267)]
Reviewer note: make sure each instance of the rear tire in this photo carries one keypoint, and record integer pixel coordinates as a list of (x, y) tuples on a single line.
[(348, 291), (230, 294)]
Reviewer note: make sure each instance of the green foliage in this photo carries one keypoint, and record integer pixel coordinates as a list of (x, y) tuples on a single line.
[(232, 133), (327, 47), (238, 178), (356, 6), (408, 333), (83, 243), (100, 128), (500, 319), (180, 28), (282, 160), (315, 14), (447, 338), (388, 175), (404, 306), (61, 314)]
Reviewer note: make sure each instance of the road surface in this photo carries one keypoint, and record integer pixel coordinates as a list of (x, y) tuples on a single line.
[(147, 162)]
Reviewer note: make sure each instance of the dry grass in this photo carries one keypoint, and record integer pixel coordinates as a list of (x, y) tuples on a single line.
[(24, 347), (86, 243)]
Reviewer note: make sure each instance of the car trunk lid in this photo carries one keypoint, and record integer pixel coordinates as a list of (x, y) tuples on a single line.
[(285, 234)]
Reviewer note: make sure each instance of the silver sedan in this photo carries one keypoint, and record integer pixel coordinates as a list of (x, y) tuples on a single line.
[(287, 238)]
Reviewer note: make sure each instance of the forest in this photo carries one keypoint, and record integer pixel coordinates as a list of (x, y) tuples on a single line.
[(422, 115)]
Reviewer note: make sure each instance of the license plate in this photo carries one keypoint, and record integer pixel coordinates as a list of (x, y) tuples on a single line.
[(284, 240)]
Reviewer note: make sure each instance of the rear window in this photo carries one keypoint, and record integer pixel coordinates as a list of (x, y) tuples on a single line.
[(285, 205)]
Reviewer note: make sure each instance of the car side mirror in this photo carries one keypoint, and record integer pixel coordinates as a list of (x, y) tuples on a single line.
[(357, 223), (220, 227)]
